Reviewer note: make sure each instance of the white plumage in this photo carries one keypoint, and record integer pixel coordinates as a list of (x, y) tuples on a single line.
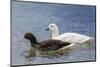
[(68, 36)]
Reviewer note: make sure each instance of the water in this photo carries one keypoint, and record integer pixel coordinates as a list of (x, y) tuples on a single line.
[(35, 18)]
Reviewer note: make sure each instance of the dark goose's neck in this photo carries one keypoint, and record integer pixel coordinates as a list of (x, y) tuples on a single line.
[(33, 41)]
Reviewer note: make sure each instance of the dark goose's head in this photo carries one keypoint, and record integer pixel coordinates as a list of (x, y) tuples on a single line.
[(30, 37)]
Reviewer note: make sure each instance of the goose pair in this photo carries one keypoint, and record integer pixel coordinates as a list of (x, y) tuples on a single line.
[(58, 42), (68, 36)]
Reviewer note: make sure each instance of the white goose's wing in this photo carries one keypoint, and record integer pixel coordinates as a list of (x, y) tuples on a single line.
[(73, 38)]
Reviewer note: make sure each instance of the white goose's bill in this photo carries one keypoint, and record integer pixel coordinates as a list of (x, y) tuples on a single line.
[(47, 29)]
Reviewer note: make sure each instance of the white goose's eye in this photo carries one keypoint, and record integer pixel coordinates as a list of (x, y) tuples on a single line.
[(51, 26)]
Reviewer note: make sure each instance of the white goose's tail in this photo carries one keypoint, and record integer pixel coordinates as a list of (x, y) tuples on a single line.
[(89, 39)]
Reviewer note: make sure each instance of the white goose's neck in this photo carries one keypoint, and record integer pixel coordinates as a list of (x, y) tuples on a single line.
[(55, 33)]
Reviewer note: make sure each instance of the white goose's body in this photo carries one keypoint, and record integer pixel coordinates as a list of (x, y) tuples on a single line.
[(69, 36)]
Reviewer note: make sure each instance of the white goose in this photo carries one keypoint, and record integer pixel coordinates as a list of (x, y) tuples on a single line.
[(68, 36)]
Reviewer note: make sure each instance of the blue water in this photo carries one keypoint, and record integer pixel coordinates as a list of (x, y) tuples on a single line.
[(35, 18)]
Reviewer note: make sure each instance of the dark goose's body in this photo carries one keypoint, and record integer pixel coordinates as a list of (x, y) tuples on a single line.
[(51, 45)]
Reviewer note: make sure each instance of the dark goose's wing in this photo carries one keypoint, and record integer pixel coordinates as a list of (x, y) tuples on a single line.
[(52, 45)]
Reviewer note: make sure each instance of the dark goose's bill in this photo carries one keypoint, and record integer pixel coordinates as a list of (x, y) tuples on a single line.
[(46, 45)]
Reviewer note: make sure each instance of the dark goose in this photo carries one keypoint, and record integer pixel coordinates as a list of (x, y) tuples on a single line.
[(47, 45)]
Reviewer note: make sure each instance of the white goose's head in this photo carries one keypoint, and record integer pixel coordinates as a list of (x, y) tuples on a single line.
[(52, 27)]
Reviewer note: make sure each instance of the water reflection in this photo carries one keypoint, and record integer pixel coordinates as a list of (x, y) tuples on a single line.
[(46, 54)]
